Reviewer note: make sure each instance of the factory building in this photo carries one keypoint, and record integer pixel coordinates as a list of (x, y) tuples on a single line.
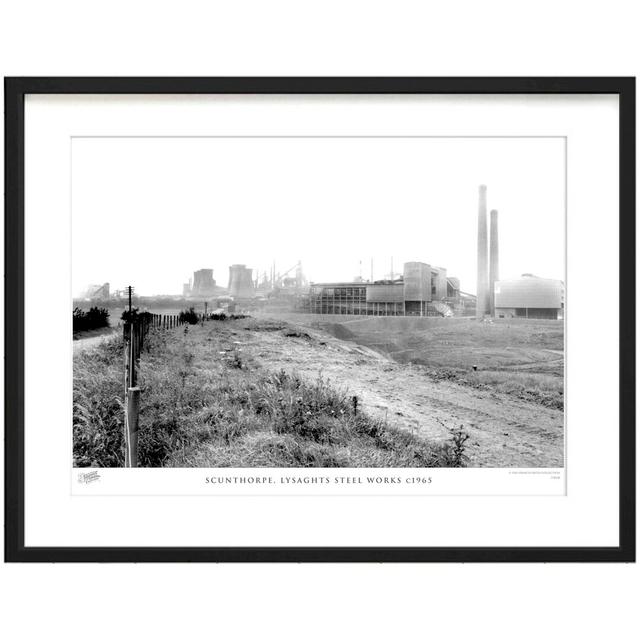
[(422, 290), (529, 297), (97, 292)]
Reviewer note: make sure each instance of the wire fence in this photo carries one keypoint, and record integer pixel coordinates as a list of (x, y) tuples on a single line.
[(135, 332)]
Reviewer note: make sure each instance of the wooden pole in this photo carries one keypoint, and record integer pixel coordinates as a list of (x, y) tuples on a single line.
[(132, 356), (132, 420), (127, 364)]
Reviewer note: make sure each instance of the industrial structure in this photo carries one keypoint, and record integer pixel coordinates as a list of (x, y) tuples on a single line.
[(494, 270), (422, 290), (529, 297), (482, 294), (97, 292), (286, 286), (524, 297), (203, 283), (241, 282)]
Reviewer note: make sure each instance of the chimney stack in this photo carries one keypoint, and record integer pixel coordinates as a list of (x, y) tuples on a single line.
[(494, 258), (482, 306)]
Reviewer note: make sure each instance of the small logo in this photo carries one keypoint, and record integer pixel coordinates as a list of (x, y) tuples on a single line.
[(88, 477)]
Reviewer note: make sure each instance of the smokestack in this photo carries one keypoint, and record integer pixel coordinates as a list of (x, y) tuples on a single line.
[(483, 256), (494, 258)]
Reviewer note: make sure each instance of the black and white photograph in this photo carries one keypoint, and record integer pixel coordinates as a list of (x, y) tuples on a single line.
[(388, 317), (319, 301), (320, 320)]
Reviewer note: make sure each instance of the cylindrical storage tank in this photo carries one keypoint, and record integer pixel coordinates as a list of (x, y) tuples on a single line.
[(240, 281)]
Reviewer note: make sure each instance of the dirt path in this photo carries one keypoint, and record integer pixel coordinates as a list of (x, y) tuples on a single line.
[(89, 342), (505, 431)]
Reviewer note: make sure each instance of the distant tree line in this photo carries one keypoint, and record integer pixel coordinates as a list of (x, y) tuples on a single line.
[(95, 318)]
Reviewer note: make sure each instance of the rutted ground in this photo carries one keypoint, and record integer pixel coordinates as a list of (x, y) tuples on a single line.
[(505, 431)]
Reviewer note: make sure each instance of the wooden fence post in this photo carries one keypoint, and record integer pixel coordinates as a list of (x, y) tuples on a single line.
[(131, 421), (127, 364), (132, 356)]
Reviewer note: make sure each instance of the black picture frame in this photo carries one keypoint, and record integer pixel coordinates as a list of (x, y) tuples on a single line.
[(15, 91)]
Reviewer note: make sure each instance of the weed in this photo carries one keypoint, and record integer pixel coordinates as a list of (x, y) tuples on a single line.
[(459, 438)]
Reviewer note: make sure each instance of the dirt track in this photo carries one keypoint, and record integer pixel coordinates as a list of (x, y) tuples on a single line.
[(505, 431), (92, 339)]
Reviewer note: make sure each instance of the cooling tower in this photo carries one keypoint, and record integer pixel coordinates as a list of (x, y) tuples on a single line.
[(203, 283), (482, 304), (494, 258), (240, 281)]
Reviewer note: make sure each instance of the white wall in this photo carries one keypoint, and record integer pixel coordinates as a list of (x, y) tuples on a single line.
[(332, 37)]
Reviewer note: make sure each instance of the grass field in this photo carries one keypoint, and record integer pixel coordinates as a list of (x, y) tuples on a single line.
[(524, 358), (208, 403)]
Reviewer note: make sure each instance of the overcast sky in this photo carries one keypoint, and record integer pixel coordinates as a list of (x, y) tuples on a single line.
[(150, 211)]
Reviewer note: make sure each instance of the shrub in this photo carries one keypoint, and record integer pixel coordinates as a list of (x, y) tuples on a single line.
[(95, 318), (189, 316), (130, 316)]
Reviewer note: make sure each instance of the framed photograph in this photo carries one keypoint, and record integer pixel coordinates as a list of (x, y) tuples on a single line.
[(320, 319)]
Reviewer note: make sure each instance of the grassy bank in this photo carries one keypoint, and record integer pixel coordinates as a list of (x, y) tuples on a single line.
[(519, 357), (544, 389), (205, 403)]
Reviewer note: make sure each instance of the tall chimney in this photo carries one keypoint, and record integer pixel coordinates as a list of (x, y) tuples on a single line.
[(483, 256), (494, 258)]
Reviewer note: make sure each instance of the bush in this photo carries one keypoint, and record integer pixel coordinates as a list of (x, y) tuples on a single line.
[(188, 316), (130, 316), (95, 318)]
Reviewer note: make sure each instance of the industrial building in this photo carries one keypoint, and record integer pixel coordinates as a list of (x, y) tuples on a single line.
[(203, 284), (241, 282), (529, 297), (422, 290), (97, 292), (524, 297)]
